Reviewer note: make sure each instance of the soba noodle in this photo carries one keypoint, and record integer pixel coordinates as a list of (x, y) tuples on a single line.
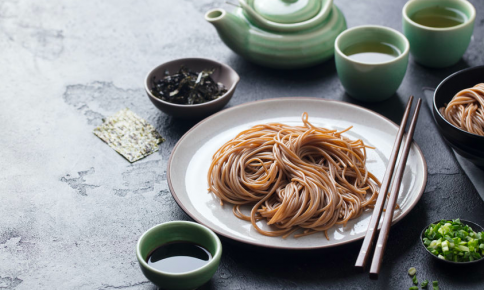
[(296, 177), (466, 110)]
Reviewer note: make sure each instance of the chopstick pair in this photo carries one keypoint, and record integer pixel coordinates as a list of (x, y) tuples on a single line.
[(387, 180)]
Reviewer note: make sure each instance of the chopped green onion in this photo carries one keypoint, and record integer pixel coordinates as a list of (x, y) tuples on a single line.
[(413, 288), (412, 271), (435, 285), (424, 283), (454, 241), (415, 281)]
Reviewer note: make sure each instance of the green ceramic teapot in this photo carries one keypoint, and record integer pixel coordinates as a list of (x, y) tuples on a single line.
[(280, 33)]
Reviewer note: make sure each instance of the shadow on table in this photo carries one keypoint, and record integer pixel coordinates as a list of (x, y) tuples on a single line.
[(249, 70), (332, 265), (392, 108), (442, 73), (173, 128), (206, 286), (461, 275)]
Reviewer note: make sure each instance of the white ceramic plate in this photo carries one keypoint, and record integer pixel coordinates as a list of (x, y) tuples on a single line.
[(191, 157)]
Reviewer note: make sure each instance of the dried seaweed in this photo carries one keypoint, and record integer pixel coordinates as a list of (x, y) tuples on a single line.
[(187, 87), (130, 135)]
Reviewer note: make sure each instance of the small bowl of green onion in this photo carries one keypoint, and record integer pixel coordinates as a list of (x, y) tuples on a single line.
[(454, 241)]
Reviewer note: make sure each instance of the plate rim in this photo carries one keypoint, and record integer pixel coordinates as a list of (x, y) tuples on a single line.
[(237, 239)]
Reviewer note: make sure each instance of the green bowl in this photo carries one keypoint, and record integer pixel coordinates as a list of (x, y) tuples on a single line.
[(371, 82), (179, 231), (438, 47)]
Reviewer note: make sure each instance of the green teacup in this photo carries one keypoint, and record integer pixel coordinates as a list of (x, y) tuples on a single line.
[(439, 45), (371, 81), (178, 231)]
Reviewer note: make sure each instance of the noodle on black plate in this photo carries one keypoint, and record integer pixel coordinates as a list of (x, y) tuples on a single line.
[(466, 110)]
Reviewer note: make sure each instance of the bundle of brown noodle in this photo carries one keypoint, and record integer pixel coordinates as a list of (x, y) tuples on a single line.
[(296, 177), (466, 110)]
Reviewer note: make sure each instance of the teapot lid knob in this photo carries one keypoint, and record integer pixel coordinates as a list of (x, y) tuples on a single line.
[(286, 11)]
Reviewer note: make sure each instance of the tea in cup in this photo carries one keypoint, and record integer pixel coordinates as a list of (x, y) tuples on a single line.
[(439, 31), (371, 61)]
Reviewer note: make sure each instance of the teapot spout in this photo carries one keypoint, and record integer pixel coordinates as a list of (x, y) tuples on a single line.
[(215, 16), (232, 30)]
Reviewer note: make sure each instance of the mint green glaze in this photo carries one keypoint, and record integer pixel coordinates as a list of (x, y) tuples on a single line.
[(371, 82), (279, 27), (179, 231), (279, 45), (284, 11), (438, 47)]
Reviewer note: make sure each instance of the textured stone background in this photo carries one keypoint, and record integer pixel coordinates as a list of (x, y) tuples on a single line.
[(71, 209)]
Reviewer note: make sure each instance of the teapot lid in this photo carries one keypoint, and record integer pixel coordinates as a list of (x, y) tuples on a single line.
[(286, 16), (287, 11)]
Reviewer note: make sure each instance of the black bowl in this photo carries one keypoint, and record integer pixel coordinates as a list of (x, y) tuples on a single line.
[(470, 146), (475, 227)]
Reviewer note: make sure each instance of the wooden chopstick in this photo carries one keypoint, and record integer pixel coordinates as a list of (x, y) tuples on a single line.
[(375, 218), (388, 217)]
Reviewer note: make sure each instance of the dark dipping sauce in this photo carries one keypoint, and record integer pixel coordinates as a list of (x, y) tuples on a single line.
[(179, 257)]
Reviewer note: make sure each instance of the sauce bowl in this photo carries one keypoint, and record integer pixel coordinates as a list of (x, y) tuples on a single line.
[(179, 231)]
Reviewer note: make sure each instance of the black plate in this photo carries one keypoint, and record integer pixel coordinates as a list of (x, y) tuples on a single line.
[(466, 144), (475, 227)]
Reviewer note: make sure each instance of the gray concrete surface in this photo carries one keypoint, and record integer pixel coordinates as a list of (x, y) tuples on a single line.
[(71, 209)]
